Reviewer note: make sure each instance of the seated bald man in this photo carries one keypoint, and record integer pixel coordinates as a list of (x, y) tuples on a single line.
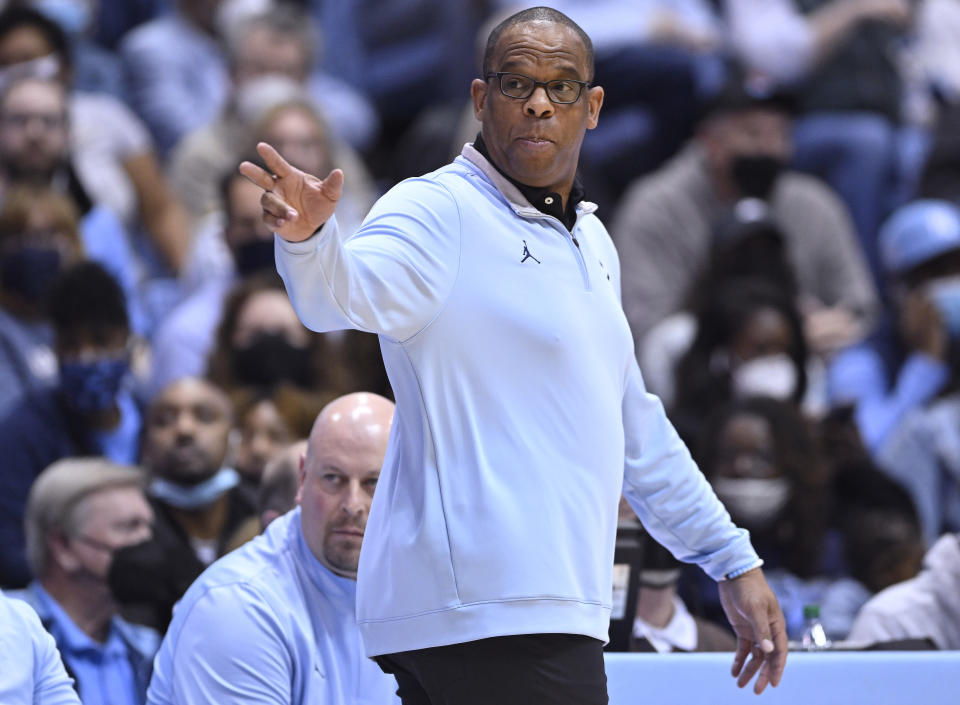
[(273, 622)]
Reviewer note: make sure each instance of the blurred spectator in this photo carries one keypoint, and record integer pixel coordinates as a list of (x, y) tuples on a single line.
[(90, 412), (745, 246), (664, 226), (266, 422), (291, 592), (903, 366), (749, 342), (278, 44), (176, 70), (403, 55), (276, 494), (195, 498), (278, 486), (114, 18), (79, 512), (95, 69), (923, 451), (33, 672), (663, 624), (881, 534), (261, 343), (271, 108), (843, 58), (924, 607), (183, 340), (34, 149), (110, 147), (38, 241), (760, 456)]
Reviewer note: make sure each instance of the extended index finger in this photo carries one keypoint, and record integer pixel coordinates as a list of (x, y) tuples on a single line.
[(277, 164), (257, 175)]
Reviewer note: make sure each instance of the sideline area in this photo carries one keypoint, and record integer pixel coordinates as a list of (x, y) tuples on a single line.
[(831, 678)]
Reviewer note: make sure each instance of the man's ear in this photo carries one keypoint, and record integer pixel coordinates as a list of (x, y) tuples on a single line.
[(302, 479), (594, 103), (59, 551), (478, 93)]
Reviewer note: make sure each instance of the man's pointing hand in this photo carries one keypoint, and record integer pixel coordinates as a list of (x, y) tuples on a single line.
[(294, 203)]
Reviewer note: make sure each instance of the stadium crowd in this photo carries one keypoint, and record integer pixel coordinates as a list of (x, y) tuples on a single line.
[(781, 179)]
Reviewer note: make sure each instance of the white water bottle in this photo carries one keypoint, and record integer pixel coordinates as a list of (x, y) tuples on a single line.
[(814, 637)]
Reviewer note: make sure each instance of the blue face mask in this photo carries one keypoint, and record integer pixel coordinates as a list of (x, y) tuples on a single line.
[(945, 295), (195, 496), (30, 272), (91, 386), (73, 16)]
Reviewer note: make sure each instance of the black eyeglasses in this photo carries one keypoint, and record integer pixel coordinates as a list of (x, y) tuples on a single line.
[(561, 90)]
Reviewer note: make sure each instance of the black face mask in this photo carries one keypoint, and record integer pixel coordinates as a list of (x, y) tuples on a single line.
[(253, 256), (29, 273), (755, 176), (271, 359)]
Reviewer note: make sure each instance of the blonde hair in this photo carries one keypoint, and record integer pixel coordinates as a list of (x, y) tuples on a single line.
[(58, 491)]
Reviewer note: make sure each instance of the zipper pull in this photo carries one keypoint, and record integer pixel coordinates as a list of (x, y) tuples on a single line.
[(572, 237)]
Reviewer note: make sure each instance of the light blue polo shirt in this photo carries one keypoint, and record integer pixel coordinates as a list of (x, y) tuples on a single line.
[(103, 672)]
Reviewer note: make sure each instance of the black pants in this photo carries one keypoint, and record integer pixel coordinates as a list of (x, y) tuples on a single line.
[(534, 669)]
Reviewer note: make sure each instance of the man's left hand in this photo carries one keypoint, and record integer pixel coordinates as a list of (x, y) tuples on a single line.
[(761, 631)]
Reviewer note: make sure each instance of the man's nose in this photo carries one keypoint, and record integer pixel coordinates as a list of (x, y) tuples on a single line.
[(538, 103), (185, 426), (356, 500)]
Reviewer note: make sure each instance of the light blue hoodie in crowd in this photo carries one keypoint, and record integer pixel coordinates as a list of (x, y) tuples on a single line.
[(521, 414)]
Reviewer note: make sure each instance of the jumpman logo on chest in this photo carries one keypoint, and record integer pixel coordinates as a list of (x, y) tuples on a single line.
[(527, 254)]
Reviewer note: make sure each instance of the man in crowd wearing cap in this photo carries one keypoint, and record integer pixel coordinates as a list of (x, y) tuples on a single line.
[(910, 360), (273, 621), (664, 225), (903, 365), (80, 511)]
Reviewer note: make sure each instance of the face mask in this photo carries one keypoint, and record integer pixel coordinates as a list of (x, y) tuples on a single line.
[(254, 256), (29, 273), (945, 295), (271, 359), (755, 176), (45, 68), (772, 376), (753, 502), (73, 16), (195, 496), (92, 386)]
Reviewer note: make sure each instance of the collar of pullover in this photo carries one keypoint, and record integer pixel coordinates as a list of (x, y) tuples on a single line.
[(544, 200)]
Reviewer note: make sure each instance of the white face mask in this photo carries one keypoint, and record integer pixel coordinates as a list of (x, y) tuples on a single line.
[(753, 502), (768, 376)]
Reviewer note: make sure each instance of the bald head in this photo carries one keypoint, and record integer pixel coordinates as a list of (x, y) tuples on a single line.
[(187, 427), (344, 455), (359, 420)]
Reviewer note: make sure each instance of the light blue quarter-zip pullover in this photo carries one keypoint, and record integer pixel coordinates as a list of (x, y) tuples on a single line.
[(521, 414)]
